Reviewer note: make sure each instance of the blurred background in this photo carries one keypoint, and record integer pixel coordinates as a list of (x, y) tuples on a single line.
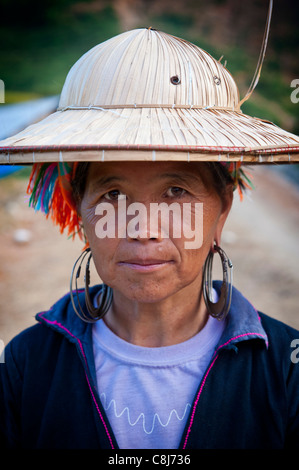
[(40, 41)]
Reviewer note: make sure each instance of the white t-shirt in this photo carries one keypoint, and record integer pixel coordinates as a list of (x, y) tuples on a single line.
[(147, 393)]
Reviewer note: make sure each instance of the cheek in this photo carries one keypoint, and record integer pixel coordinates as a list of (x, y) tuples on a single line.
[(103, 252), (194, 251), (103, 249), (200, 222), (192, 261), (89, 219)]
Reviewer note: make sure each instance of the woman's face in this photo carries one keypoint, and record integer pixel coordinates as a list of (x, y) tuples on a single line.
[(151, 262)]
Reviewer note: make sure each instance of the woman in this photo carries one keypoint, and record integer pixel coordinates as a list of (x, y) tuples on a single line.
[(157, 356)]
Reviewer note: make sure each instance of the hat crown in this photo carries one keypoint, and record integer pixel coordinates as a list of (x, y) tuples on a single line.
[(150, 68)]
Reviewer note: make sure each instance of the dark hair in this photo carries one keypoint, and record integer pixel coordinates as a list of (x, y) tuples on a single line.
[(79, 182), (220, 179)]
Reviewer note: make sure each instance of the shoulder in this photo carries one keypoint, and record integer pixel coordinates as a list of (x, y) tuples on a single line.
[(56, 326), (278, 331), (36, 337), (30, 347), (283, 348)]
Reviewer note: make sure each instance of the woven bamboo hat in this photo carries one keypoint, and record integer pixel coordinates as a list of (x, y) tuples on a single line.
[(147, 95)]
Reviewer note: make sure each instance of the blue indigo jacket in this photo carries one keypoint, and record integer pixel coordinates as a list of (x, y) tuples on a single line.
[(248, 397)]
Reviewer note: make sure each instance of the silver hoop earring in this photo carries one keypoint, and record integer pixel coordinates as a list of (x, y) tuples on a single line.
[(220, 308), (93, 313)]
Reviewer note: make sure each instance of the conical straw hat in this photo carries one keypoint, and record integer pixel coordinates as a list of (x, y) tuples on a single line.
[(147, 95)]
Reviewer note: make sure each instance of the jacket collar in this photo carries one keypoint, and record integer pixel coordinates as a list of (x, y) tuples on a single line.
[(243, 322), (62, 318)]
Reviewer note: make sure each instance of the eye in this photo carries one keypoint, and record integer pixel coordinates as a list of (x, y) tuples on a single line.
[(175, 191), (114, 195)]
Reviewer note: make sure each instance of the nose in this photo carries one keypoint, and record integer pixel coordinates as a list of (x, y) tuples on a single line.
[(140, 225)]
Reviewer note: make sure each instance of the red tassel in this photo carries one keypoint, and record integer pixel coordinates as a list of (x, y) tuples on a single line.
[(63, 215)]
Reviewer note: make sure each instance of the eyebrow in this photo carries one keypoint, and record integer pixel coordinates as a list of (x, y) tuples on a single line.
[(183, 177), (105, 181)]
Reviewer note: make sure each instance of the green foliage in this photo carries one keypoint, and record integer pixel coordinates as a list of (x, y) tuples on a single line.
[(41, 40), (37, 60), (253, 107)]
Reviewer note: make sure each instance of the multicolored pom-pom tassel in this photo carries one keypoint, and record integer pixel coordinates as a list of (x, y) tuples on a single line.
[(240, 179), (50, 191)]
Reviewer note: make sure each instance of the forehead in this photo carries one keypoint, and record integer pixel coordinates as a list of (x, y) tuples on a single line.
[(136, 172)]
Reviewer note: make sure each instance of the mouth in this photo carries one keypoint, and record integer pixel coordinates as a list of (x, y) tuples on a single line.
[(145, 265)]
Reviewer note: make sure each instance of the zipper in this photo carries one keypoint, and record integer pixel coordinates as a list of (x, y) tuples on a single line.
[(197, 400)]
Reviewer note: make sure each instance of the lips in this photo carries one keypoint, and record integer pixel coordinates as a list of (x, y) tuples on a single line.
[(145, 262), (145, 265)]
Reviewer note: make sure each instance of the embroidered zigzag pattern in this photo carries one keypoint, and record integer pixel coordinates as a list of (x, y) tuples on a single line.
[(156, 417)]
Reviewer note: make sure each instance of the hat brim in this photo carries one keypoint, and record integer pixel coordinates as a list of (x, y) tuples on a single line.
[(150, 133)]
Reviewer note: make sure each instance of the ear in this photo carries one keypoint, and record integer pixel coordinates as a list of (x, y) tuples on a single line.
[(227, 202)]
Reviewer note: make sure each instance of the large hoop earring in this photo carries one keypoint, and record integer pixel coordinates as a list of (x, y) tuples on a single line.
[(94, 313), (220, 308)]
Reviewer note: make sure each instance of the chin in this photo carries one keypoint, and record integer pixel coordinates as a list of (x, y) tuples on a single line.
[(146, 293)]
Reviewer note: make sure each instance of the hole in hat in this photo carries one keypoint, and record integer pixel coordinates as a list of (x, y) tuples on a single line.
[(175, 80), (217, 80)]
